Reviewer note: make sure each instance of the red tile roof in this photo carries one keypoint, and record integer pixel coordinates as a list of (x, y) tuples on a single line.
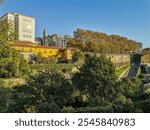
[(33, 45)]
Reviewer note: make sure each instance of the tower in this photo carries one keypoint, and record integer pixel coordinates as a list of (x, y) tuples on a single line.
[(44, 37)]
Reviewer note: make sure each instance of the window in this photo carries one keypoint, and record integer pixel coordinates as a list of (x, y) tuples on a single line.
[(27, 36), (30, 49), (27, 30), (25, 25), (27, 20), (44, 51), (50, 52)]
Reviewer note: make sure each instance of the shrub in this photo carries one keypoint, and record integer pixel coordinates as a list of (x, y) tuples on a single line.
[(42, 67)]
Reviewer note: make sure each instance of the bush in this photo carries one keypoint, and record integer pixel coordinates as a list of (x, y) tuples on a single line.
[(144, 105), (42, 67), (45, 60), (2, 83), (5, 100), (47, 91), (98, 109), (123, 104), (12, 64), (69, 109)]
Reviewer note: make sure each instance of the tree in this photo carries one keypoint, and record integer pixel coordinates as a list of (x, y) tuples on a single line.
[(1, 1), (8, 33), (38, 58), (89, 41), (24, 68), (96, 78), (4, 99), (78, 57), (48, 91), (12, 64), (129, 87), (122, 104)]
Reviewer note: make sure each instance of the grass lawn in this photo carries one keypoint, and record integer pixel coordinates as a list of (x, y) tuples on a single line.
[(120, 70)]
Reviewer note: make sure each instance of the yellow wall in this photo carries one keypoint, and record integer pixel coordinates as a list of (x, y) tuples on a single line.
[(25, 49), (46, 52), (66, 53)]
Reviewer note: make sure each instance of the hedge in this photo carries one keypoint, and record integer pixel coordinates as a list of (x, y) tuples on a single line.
[(42, 67)]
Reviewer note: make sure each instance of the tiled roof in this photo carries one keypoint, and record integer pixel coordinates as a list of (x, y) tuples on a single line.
[(33, 45), (23, 44)]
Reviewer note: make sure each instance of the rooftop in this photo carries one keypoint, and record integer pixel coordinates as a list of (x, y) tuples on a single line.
[(33, 45), (16, 14)]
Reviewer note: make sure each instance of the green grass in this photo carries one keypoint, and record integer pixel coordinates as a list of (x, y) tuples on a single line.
[(120, 70)]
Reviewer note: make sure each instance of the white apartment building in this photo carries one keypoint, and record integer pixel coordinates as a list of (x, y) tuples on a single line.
[(23, 25), (58, 40)]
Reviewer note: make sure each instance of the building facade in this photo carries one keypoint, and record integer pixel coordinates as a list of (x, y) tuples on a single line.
[(55, 40), (23, 26), (29, 50)]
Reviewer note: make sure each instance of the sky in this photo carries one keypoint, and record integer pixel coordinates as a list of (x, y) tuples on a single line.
[(128, 18)]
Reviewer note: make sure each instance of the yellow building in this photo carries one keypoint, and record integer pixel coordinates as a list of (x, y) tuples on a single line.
[(28, 50)]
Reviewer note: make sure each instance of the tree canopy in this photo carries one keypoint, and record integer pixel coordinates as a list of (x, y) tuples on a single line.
[(48, 91), (96, 77), (90, 41), (12, 63)]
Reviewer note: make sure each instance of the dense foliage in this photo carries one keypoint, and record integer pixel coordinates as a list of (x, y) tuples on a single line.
[(94, 88), (45, 92), (90, 41), (41, 67), (96, 78), (12, 63), (45, 60)]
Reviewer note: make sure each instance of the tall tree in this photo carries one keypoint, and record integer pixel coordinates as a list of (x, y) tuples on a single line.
[(96, 78), (78, 57), (90, 41), (12, 63), (8, 33)]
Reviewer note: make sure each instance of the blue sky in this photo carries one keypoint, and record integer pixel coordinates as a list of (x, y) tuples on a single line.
[(129, 18)]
